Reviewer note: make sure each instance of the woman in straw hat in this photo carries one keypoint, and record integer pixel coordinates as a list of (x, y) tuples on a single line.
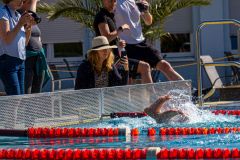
[(99, 69)]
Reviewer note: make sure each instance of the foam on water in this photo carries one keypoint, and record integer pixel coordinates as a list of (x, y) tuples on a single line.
[(179, 101), (182, 102)]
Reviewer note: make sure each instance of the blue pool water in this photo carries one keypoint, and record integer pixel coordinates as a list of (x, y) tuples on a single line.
[(198, 118)]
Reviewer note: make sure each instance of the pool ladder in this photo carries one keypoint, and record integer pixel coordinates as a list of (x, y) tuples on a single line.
[(198, 47)]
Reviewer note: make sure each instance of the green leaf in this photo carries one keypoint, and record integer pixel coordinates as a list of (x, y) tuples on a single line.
[(84, 11)]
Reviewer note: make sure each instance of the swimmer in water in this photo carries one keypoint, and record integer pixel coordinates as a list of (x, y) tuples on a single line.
[(154, 111)]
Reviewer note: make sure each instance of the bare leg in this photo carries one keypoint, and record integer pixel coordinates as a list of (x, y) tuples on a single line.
[(168, 71), (145, 70)]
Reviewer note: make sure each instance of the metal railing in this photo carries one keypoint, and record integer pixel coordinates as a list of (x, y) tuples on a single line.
[(198, 47), (223, 64)]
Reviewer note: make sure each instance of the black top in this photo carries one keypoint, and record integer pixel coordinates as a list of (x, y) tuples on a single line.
[(86, 77), (104, 16), (34, 42)]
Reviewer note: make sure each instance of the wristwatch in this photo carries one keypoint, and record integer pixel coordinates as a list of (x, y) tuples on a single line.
[(120, 29)]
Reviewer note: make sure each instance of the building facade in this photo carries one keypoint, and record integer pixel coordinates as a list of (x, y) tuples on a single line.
[(66, 39)]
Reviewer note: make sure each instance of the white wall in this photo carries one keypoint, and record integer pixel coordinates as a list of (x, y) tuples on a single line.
[(180, 21), (212, 37), (215, 38), (234, 6)]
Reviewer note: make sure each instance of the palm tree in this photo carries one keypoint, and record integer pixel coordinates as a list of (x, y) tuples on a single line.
[(161, 10), (83, 11)]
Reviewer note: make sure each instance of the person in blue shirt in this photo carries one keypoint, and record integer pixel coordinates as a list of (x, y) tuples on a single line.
[(14, 36)]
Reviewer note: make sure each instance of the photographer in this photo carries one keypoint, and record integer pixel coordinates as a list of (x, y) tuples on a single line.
[(14, 36), (36, 73), (104, 24), (131, 12)]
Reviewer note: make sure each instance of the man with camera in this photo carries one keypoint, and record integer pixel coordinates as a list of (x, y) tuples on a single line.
[(131, 12), (104, 24), (35, 65)]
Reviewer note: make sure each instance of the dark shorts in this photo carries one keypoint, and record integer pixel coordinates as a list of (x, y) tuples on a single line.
[(144, 52), (132, 64)]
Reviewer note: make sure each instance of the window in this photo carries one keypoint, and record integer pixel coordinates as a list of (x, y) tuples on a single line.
[(234, 42), (176, 43), (68, 49)]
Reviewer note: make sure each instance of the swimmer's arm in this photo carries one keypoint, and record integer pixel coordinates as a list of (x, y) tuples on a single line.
[(149, 112), (162, 117)]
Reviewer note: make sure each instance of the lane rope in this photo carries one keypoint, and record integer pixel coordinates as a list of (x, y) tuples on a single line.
[(119, 153), (112, 132)]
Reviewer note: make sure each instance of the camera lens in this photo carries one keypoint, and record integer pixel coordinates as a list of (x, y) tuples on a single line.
[(37, 19)]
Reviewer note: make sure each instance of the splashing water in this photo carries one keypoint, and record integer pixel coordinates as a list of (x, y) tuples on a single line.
[(179, 101), (182, 102)]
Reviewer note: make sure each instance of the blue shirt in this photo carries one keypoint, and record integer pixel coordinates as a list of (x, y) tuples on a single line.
[(127, 12), (16, 48)]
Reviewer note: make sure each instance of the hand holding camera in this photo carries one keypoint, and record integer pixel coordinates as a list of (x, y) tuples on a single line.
[(143, 5), (26, 19), (36, 18), (124, 63)]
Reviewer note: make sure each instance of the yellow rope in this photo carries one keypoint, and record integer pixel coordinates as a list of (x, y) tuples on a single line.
[(194, 63), (73, 123), (54, 70)]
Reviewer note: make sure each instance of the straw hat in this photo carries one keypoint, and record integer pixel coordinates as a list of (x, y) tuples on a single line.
[(100, 43)]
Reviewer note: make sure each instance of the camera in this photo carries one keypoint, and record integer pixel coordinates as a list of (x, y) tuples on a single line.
[(141, 6), (36, 18)]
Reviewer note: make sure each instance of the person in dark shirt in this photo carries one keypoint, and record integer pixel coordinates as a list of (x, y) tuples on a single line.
[(99, 70), (36, 71), (104, 24)]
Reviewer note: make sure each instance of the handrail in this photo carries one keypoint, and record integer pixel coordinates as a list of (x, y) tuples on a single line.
[(198, 48), (223, 64)]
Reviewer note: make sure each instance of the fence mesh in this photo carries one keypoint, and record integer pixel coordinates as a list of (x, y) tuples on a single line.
[(76, 106)]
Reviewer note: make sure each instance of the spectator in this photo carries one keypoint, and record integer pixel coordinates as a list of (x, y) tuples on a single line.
[(99, 69), (14, 36), (36, 71), (129, 12), (104, 24)]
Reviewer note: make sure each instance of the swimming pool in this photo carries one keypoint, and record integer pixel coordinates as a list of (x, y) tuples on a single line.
[(142, 141), (176, 145)]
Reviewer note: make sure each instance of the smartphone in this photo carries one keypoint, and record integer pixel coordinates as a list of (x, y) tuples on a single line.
[(122, 55)]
